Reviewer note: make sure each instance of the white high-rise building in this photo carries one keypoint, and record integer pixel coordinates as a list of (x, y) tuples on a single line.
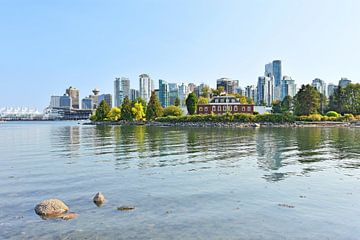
[(265, 91), (121, 90), (320, 85), (288, 87), (146, 86)]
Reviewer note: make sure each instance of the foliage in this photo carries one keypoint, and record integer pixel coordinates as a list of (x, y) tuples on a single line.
[(126, 113), (242, 99), (203, 100), (154, 108), (221, 89), (139, 100), (332, 114), (215, 92), (172, 111), (138, 111), (250, 100), (346, 100), (191, 103), (276, 106), (287, 104), (102, 111), (205, 91), (307, 101), (177, 101), (114, 114)]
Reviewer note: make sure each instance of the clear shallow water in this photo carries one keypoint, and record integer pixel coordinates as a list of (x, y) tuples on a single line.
[(186, 183)]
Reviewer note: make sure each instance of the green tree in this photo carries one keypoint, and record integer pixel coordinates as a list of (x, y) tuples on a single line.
[(215, 92), (172, 111), (177, 101), (287, 104), (346, 100), (154, 108), (205, 91), (221, 89), (102, 111), (307, 101), (203, 100), (126, 113), (276, 106), (114, 114), (191, 103), (138, 111), (250, 100)]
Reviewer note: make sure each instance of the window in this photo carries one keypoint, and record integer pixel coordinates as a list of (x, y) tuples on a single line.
[(206, 109), (249, 109), (230, 108), (243, 109), (224, 108), (216, 100), (235, 108), (219, 108), (213, 108), (200, 109)]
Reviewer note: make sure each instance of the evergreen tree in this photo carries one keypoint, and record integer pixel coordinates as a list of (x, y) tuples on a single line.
[(205, 91), (126, 113), (276, 106), (287, 104), (191, 103), (102, 111), (346, 100), (154, 108), (307, 101), (177, 102)]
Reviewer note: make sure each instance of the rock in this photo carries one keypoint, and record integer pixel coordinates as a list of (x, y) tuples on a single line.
[(51, 208), (68, 216), (125, 208), (99, 199)]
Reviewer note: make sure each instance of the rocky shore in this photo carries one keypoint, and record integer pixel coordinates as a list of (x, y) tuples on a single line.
[(229, 124)]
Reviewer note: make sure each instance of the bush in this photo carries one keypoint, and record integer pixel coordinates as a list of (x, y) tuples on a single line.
[(332, 114), (172, 111)]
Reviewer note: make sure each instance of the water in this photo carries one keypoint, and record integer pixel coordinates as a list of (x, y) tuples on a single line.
[(185, 183)]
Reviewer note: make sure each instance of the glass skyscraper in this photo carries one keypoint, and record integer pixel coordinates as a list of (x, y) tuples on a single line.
[(163, 93)]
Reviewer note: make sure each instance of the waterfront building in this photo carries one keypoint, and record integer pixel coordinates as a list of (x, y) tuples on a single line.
[(66, 102), (134, 94), (288, 87), (344, 82), (74, 94), (265, 91), (146, 86), (330, 89), (224, 104), (320, 86), (87, 103), (121, 90), (55, 101), (107, 98), (163, 93)]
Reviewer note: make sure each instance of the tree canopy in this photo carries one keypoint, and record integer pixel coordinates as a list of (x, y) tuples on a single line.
[(306, 101), (191, 103), (102, 111), (154, 108), (172, 111), (126, 113)]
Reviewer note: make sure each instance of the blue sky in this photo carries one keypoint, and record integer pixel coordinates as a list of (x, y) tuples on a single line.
[(46, 46)]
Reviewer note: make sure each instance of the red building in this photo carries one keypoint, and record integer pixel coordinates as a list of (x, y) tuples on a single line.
[(223, 104)]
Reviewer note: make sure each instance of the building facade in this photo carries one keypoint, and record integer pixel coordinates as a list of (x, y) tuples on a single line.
[(320, 86), (121, 90), (331, 89), (74, 94), (163, 93), (87, 103), (66, 101), (134, 94), (344, 82), (228, 84), (265, 91), (107, 98), (288, 87), (224, 104)]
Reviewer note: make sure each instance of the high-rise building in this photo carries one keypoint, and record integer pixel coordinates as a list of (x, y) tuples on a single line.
[(191, 87), (320, 85), (55, 101), (87, 103), (66, 101), (163, 93), (288, 87), (228, 84), (250, 92), (95, 97), (107, 98), (277, 72), (264, 91), (183, 92), (146, 86), (134, 94), (344, 82), (173, 93), (331, 89), (121, 90), (74, 94), (273, 70)]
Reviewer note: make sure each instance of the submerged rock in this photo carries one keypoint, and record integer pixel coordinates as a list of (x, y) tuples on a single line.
[(51, 208), (68, 216), (99, 199), (125, 208)]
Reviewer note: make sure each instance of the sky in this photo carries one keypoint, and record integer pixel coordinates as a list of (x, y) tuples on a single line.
[(47, 46)]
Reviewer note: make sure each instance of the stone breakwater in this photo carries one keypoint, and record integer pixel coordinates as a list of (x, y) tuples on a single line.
[(228, 124)]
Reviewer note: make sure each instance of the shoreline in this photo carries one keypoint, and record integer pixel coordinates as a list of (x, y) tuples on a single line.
[(298, 124)]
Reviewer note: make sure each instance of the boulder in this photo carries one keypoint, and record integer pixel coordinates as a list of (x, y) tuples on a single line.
[(99, 199), (51, 208)]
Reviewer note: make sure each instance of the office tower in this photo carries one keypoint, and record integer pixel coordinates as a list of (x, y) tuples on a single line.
[(55, 101), (228, 85), (288, 87), (344, 82), (163, 93), (274, 70), (87, 103), (191, 87), (173, 92), (107, 98), (66, 102), (320, 86), (277, 72), (121, 90), (146, 86), (250, 92), (74, 94), (264, 91), (134, 94), (330, 89)]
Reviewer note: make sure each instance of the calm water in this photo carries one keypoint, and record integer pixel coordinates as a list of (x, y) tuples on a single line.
[(185, 183)]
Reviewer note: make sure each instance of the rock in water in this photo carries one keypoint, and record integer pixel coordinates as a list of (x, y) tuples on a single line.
[(51, 208), (68, 216), (99, 199)]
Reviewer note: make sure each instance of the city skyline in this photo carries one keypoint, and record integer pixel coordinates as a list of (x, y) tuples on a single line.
[(49, 46)]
